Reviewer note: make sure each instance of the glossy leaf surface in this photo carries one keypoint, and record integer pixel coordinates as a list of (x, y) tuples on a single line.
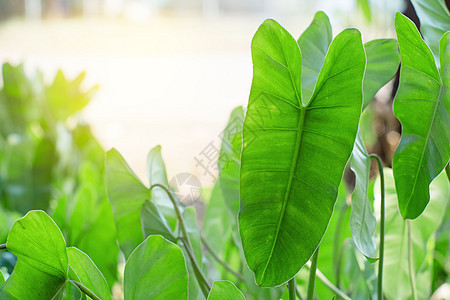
[(396, 278), (42, 262), (83, 270), (382, 64), (225, 289), (294, 155), (422, 105), (362, 219), (156, 270)]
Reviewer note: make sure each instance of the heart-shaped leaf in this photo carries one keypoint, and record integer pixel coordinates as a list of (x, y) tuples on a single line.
[(422, 105), (224, 289), (156, 270), (42, 262), (294, 155)]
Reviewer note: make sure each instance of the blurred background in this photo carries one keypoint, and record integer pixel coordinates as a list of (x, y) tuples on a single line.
[(169, 71)]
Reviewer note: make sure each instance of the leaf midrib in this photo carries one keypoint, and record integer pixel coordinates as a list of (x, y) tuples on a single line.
[(438, 101), (288, 188)]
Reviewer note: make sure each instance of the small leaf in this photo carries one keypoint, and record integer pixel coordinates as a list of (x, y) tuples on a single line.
[(362, 219), (314, 43), (156, 171), (434, 21), (153, 222), (382, 63), (86, 272), (126, 194), (42, 262), (422, 105), (71, 292), (156, 270), (225, 289)]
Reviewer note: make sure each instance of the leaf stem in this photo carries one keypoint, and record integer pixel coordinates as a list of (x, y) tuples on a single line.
[(312, 275), (382, 221), (220, 261), (412, 276), (85, 290), (292, 288), (328, 283), (2, 246), (198, 272)]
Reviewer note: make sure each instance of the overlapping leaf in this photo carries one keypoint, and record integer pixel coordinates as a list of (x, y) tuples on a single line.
[(156, 270), (422, 105), (294, 155), (225, 289), (434, 21)]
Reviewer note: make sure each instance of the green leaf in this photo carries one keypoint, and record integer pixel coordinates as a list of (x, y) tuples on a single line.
[(314, 43), (156, 270), (364, 5), (156, 171), (382, 64), (362, 219), (396, 275), (225, 289), (2, 278), (434, 21), (71, 292), (126, 194), (229, 165), (153, 222), (42, 263), (66, 97), (294, 155), (422, 105), (83, 270)]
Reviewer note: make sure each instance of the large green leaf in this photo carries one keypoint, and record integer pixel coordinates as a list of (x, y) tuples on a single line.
[(83, 270), (42, 262), (422, 105), (382, 64), (362, 219), (293, 158), (434, 21), (225, 289), (396, 275), (156, 270), (314, 43), (126, 194)]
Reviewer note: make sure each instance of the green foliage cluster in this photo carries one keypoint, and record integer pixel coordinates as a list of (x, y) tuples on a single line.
[(280, 194)]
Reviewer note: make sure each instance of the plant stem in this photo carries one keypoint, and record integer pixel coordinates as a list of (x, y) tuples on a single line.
[(328, 284), (85, 290), (412, 276), (188, 246), (312, 275), (2, 246), (382, 221), (297, 292), (292, 289), (220, 261)]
